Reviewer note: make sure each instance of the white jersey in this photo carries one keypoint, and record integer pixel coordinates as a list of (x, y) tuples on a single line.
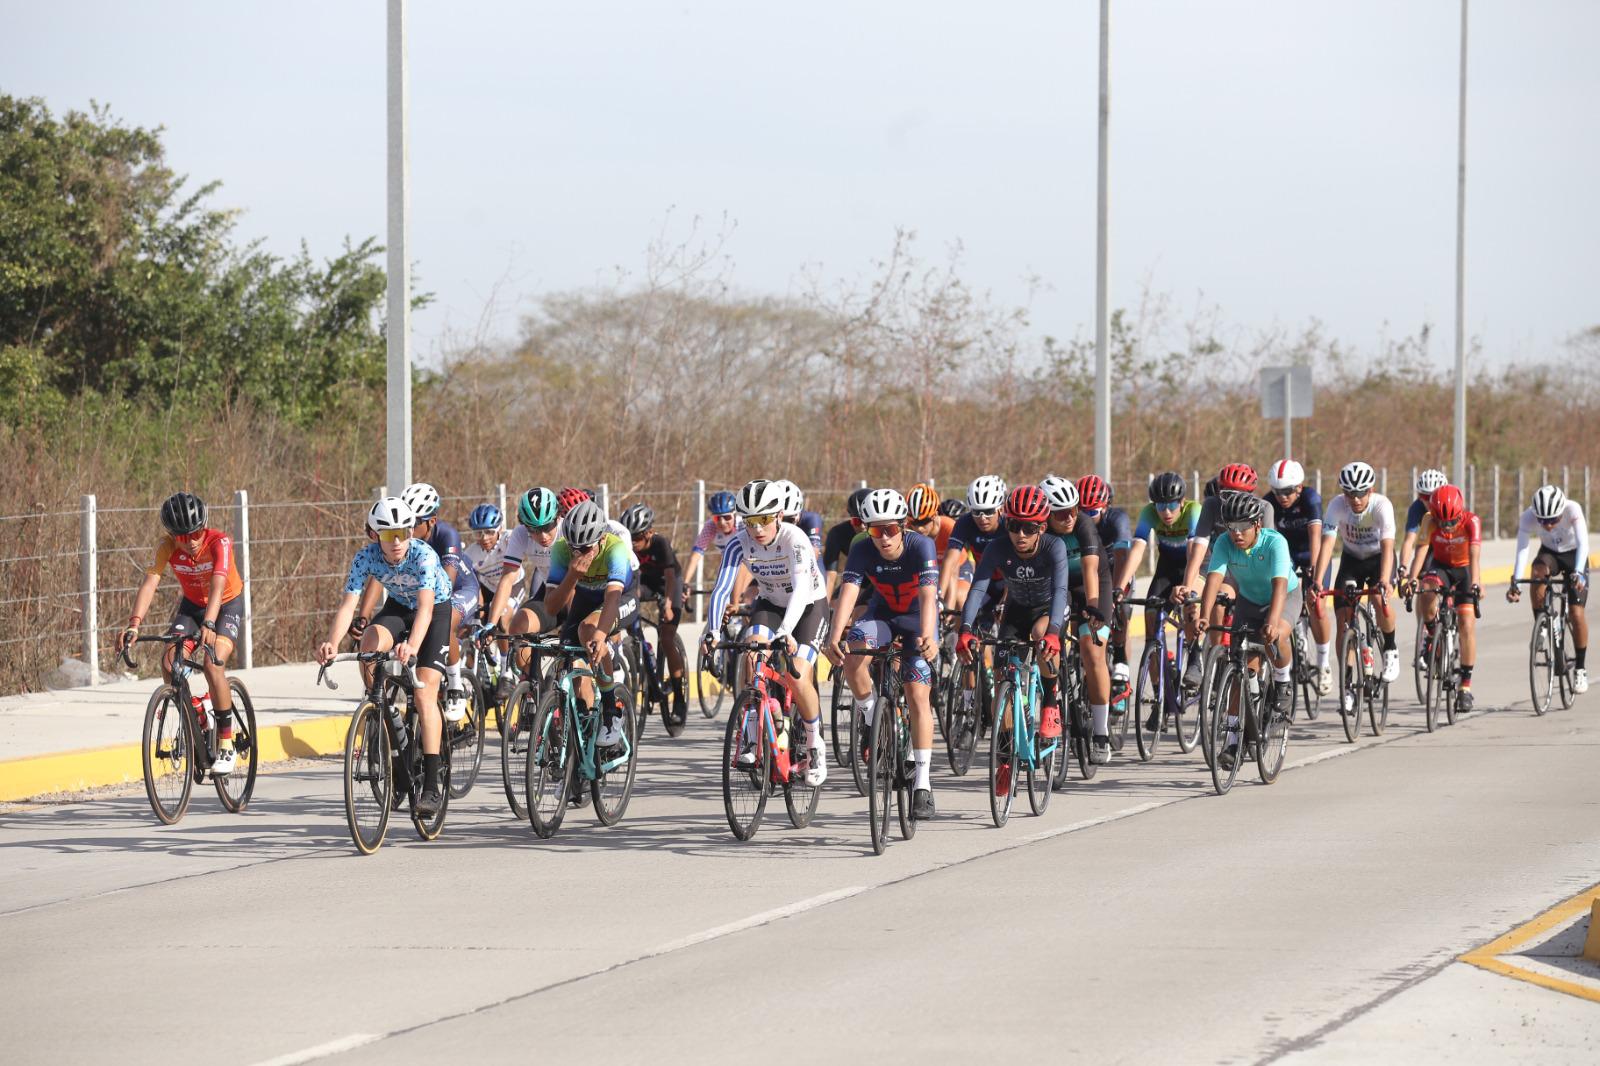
[(1570, 533), (490, 566), (786, 573), (520, 551), (712, 536), (613, 526), (1363, 534)]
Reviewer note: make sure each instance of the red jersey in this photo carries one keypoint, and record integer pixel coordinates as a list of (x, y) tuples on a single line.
[(1452, 547), (194, 572)]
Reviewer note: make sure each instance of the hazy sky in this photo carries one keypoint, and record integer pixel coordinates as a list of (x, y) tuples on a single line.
[(1283, 160)]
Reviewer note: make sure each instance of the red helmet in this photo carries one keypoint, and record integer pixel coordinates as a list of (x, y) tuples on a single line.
[(1027, 504), (1237, 477), (569, 498), (1093, 492), (1447, 504)]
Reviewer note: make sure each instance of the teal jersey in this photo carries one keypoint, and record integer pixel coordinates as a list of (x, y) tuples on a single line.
[(1254, 569)]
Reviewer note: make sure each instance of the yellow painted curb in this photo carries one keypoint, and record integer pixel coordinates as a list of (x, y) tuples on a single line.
[(1591, 942), (75, 771), (1489, 956)]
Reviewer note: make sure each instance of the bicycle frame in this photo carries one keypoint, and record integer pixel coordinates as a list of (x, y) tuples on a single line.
[(585, 722), (1017, 655)]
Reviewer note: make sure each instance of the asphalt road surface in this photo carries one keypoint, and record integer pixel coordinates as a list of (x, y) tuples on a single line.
[(1141, 919)]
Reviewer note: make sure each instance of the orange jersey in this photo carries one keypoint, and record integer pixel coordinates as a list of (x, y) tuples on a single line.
[(941, 539), (1452, 547), (194, 572)]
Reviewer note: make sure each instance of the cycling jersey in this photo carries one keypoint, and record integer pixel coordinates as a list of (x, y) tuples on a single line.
[(836, 545), (419, 568), (654, 562), (1253, 569), (1452, 547), (711, 536), (1116, 531), (446, 542), (622, 533), (490, 565), (523, 552), (1083, 542), (785, 571), (194, 571), (899, 580), (1295, 522), (941, 535), (612, 564), (1363, 534), (1570, 534), (1414, 515), (1032, 582), (966, 534), (1172, 538), (810, 523)]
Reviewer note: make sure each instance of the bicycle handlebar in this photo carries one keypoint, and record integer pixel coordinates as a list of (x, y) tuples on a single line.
[(174, 639), (785, 660), (365, 657)]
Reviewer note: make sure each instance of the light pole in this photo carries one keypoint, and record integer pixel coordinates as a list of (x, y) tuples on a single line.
[(1102, 356), (1460, 453), (399, 302)]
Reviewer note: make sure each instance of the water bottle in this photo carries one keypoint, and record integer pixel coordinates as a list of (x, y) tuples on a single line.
[(783, 750), (1366, 661), (202, 712), (397, 727), (1254, 684)]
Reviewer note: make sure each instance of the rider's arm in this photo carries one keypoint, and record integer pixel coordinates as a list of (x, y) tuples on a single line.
[(1473, 551), (848, 592), (1314, 543), (1280, 593), (800, 558), (610, 607), (1208, 595), (1197, 554), (732, 563), (502, 593), (559, 594), (341, 618), (1130, 563), (1386, 562), (143, 598), (1322, 575), (1060, 583)]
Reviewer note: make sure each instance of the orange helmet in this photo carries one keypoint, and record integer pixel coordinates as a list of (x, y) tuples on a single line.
[(922, 502)]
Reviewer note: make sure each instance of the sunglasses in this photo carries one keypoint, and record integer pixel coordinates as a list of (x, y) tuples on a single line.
[(988, 513), (1357, 495), (1239, 527), (1549, 523), (1175, 505), (756, 521), (546, 528), (888, 529), (1286, 492), (1026, 529), (1064, 514), (724, 517), (393, 536)]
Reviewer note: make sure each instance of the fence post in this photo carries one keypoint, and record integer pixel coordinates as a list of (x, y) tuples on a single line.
[(1199, 486), (500, 490), (1383, 480), (1585, 491), (1517, 509), (699, 524), (1319, 482), (1496, 533), (1544, 475), (605, 498), (1472, 487), (861, 484), (379, 493), (1566, 480), (89, 580), (241, 547), (1413, 480)]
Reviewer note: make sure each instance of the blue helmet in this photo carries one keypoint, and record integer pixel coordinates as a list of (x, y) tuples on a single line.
[(721, 503), (484, 516)]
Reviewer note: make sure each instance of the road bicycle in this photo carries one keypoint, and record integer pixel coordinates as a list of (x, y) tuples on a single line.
[(1551, 649), (887, 765), (1075, 715), (517, 715), (1361, 682), (564, 754), (1016, 747), (1242, 690), (180, 736), (717, 672), (652, 669), (1443, 650), (386, 723), (1159, 696), (1302, 642), (966, 694), (764, 747)]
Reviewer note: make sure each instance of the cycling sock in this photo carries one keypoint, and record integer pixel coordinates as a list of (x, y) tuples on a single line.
[(1101, 713), (453, 672), (1048, 682), (1577, 664), (924, 760), (1388, 642), (867, 708), (1322, 654), (1281, 673), (430, 770), (225, 718), (1233, 729), (813, 728), (1466, 675)]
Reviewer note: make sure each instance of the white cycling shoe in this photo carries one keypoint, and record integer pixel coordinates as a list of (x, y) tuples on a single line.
[(610, 733), (1580, 682), (223, 763), (455, 706), (1391, 666), (817, 772), (1324, 680)]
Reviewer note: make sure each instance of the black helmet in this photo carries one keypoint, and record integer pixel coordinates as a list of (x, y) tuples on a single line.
[(1211, 489), (951, 507), (1240, 507), (182, 514), (638, 519), (852, 506), (1167, 488)]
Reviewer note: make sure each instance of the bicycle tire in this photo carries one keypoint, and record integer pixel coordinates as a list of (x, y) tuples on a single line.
[(430, 828), (745, 788), (1001, 739), (1041, 770), (550, 766), (1452, 691), (673, 720), (1188, 709), (1228, 691), (1564, 677), (167, 752), (799, 797), (708, 687), (961, 739), (612, 789), (1433, 682), (840, 703), (1351, 682), (517, 713), (1419, 664), (235, 789), (466, 740), (1542, 664), (1378, 710), (1272, 743), (368, 777), (905, 771), (1210, 656), (880, 778), (1147, 699), (858, 771)]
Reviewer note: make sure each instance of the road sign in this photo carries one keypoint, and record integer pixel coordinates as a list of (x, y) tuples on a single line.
[(1286, 394)]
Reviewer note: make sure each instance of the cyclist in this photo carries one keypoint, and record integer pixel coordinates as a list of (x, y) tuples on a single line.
[(1089, 584), (1268, 595), (1172, 522), (952, 507), (518, 602), (485, 553), (791, 602), (1563, 534), (1452, 537), (1364, 521), (972, 533), (795, 513), (719, 528), (836, 545), (1116, 538), (1428, 483), (1235, 477), (1036, 574), (1297, 514), (210, 605), (922, 516), (658, 576), (901, 568), (591, 579), (414, 621)]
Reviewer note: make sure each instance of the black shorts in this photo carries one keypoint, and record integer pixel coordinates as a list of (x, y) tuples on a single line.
[(536, 607), (1456, 578), (807, 631), (1364, 572), (188, 616), (586, 602), (396, 617), (1017, 621), (1555, 562)]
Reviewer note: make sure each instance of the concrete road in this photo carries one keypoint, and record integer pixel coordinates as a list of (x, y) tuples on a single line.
[(1141, 919)]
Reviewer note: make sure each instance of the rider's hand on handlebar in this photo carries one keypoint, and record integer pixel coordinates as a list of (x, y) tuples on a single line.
[(403, 651), (126, 638), (325, 653), (1050, 645), (965, 644), (1513, 594)]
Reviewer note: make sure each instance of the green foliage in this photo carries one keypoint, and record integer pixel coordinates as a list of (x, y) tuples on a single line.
[(115, 281)]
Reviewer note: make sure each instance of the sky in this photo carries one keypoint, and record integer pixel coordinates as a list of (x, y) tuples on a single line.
[(1282, 160)]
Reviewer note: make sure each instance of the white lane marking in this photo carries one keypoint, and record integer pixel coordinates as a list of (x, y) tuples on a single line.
[(1090, 823), (754, 920), (322, 1051)]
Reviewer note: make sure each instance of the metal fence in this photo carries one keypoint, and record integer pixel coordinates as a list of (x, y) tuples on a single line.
[(69, 576)]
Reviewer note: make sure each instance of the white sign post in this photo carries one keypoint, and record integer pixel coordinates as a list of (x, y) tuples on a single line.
[(1286, 394)]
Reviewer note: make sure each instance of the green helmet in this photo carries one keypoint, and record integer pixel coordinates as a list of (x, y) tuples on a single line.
[(536, 507)]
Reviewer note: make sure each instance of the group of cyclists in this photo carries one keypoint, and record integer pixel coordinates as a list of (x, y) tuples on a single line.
[(1050, 563)]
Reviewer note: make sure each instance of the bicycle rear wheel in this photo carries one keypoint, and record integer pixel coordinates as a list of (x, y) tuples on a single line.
[(167, 753), (708, 687), (746, 766), (1542, 664), (961, 734), (1228, 699), (799, 797), (1186, 718), (466, 740), (880, 762), (550, 766), (368, 778), (1351, 682), (430, 828), (1272, 742), (515, 718), (1568, 647), (1147, 707), (612, 788), (905, 770), (235, 789)]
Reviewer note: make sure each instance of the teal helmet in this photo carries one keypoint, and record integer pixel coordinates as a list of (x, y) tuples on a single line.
[(537, 507)]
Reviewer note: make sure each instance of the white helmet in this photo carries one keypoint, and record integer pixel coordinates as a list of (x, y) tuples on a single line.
[(1430, 480), (1549, 503), (391, 512), (584, 524), (760, 497), (794, 501), (883, 505), (986, 493), (1357, 477), (1060, 491), (423, 499), (1286, 474)]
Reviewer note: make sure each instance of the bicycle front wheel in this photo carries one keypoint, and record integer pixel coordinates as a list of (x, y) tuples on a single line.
[(368, 777), (516, 716), (466, 740), (1433, 682), (1542, 664), (168, 752), (799, 797), (672, 718), (1147, 711), (1351, 683), (1002, 763), (840, 706), (961, 734), (235, 789), (1566, 665), (880, 766), (1452, 690), (1227, 702), (550, 765), (1272, 742), (746, 766), (430, 828)]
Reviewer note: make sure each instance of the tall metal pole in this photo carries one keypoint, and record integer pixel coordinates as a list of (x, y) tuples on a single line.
[(1460, 455), (1102, 356), (1288, 416), (399, 310)]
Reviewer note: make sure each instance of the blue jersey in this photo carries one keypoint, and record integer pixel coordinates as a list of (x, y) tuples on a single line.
[(899, 580), (418, 569), (1254, 569), (966, 534), (446, 543), (1414, 515), (810, 523), (1038, 580), (1295, 522), (1114, 527)]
